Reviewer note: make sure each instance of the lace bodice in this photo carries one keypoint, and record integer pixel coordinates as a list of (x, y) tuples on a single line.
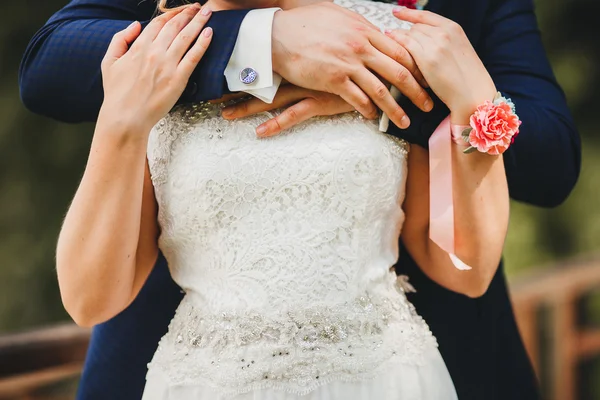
[(249, 223), (283, 247), (379, 14)]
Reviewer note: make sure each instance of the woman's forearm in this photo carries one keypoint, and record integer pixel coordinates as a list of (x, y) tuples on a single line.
[(96, 253), (481, 213), (480, 197), (108, 243)]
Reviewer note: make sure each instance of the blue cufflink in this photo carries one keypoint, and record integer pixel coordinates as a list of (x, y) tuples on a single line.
[(248, 75)]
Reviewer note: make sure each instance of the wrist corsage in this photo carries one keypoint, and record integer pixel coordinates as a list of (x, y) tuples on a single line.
[(492, 127)]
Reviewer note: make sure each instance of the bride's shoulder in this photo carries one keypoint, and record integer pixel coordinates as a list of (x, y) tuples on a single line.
[(378, 13)]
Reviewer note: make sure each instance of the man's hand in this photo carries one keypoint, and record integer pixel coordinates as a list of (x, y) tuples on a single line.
[(306, 104), (327, 48)]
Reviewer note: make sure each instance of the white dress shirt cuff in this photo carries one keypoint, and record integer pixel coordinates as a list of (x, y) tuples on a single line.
[(253, 50)]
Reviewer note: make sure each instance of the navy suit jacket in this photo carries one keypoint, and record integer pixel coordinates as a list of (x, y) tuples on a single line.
[(60, 78)]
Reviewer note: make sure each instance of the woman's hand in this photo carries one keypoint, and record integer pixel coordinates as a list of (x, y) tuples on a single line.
[(308, 104), (447, 60), (142, 83)]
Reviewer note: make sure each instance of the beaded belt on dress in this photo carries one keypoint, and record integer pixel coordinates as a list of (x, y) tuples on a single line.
[(294, 350), (305, 328)]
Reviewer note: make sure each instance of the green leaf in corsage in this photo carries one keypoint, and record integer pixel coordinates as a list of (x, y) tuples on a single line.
[(465, 136)]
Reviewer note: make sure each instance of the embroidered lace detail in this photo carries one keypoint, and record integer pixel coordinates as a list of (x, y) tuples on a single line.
[(379, 14), (295, 351), (405, 285)]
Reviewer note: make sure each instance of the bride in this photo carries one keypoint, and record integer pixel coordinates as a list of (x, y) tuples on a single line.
[(284, 245)]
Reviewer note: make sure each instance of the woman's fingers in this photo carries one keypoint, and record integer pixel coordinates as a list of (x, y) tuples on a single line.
[(121, 42), (285, 95), (148, 73), (186, 37), (194, 55), (152, 30), (420, 16), (426, 41), (427, 30), (431, 49), (404, 38), (173, 29), (293, 115)]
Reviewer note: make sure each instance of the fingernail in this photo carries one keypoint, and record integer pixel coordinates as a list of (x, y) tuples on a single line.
[(207, 32), (205, 11), (132, 24), (404, 122), (227, 112), (387, 31), (397, 9), (261, 130), (428, 105)]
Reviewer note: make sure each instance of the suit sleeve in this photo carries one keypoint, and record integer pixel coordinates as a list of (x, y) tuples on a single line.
[(543, 164), (60, 73)]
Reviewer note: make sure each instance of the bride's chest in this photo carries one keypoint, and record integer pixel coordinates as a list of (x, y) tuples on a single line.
[(349, 151), (210, 163)]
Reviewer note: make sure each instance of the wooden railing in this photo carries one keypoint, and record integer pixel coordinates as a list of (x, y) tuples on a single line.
[(30, 361), (560, 291)]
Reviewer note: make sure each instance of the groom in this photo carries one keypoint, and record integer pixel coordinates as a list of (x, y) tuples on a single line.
[(60, 78)]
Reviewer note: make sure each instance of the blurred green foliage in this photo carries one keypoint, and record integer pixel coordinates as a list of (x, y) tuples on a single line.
[(42, 161)]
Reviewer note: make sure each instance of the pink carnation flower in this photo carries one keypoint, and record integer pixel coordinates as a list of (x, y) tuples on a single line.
[(494, 128)]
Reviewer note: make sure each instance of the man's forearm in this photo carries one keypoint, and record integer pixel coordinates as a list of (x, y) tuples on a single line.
[(60, 72), (543, 164)]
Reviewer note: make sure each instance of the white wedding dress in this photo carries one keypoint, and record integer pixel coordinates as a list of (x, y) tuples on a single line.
[(283, 247)]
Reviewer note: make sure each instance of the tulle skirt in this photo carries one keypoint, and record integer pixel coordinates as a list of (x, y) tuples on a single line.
[(430, 381)]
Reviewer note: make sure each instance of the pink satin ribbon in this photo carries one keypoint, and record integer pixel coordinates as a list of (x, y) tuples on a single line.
[(441, 203)]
